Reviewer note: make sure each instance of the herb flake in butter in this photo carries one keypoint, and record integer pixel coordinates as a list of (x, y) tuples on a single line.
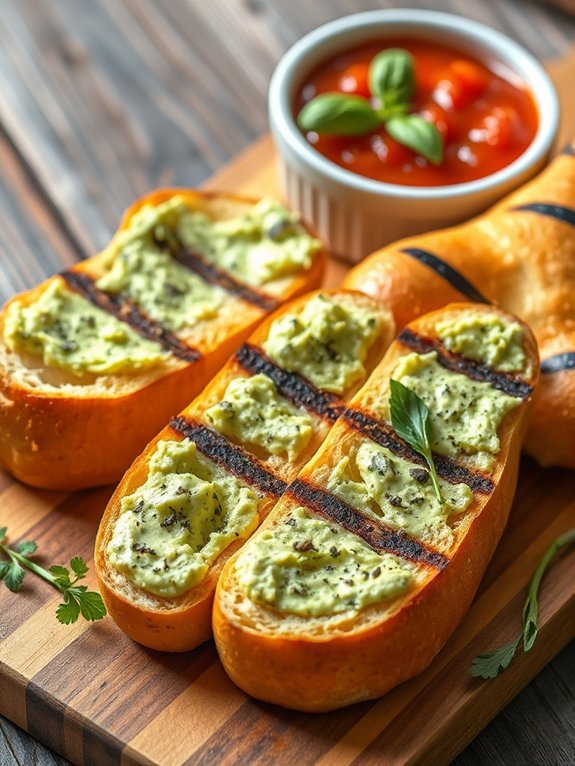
[(179, 521), (308, 567)]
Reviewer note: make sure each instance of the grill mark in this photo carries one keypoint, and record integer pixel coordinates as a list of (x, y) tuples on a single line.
[(502, 381), (290, 385), (558, 363), (233, 458), (127, 312), (384, 435), (378, 535), (216, 276), (558, 212), (447, 272)]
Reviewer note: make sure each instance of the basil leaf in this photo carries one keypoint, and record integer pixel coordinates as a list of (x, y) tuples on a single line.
[(392, 77), (338, 114), (409, 415), (418, 134), (412, 422)]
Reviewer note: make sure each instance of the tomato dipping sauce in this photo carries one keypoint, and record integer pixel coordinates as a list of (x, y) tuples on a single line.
[(484, 112)]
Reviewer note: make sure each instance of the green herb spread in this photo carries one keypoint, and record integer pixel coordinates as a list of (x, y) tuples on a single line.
[(67, 331), (485, 338), (308, 567), (326, 343), (168, 292), (179, 521), (400, 493), (266, 243), (254, 412), (465, 414)]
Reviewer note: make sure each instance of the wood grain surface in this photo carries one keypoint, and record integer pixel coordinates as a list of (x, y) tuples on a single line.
[(99, 102)]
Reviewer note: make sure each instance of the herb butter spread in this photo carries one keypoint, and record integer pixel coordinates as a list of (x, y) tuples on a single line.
[(179, 521), (485, 338), (254, 412), (465, 414), (165, 290), (308, 567), (399, 493), (326, 343), (67, 331), (264, 244)]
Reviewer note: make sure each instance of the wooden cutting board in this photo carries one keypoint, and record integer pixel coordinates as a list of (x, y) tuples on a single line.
[(97, 698)]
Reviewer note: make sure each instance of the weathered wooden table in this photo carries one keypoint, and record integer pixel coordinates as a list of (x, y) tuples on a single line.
[(101, 101)]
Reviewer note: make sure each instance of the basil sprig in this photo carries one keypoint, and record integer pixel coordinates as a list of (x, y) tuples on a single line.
[(412, 422), (391, 82)]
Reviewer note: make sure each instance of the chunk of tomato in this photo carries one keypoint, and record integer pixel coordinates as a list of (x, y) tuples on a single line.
[(354, 80)]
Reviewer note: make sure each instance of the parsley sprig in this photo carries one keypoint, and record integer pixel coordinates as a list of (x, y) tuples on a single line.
[(76, 599), (412, 422), (490, 664), (391, 83)]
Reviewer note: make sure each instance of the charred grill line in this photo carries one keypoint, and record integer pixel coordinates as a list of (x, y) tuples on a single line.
[(229, 456), (558, 363), (379, 536), (451, 275), (384, 435), (290, 385), (126, 311), (560, 213), (212, 274), (505, 382)]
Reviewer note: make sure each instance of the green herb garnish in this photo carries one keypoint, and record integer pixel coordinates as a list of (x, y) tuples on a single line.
[(490, 664), (77, 599), (392, 84), (412, 422)]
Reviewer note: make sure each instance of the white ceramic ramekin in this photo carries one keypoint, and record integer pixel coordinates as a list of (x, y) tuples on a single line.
[(356, 215)]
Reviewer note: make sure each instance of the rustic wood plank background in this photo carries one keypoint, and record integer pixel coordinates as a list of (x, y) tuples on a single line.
[(102, 100)]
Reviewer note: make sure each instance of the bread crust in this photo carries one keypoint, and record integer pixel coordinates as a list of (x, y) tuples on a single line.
[(67, 438), (521, 259), (182, 623), (382, 645)]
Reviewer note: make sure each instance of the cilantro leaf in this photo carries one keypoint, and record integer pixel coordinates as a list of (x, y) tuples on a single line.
[(92, 606), (411, 420), (79, 567), (14, 576), (490, 664), (25, 547), (61, 576), (69, 611), (76, 599), (79, 600)]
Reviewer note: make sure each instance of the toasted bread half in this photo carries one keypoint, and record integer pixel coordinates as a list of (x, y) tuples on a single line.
[(518, 255), (63, 430), (359, 575), (181, 622)]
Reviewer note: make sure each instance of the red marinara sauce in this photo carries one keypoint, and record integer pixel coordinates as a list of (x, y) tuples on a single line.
[(485, 113)]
